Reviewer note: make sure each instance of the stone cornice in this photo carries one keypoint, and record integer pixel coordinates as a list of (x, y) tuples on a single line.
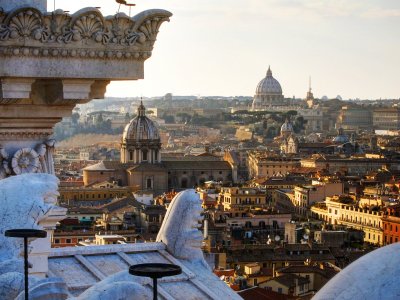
[(84, 34)]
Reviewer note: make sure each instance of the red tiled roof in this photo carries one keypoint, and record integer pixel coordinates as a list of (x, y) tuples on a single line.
[(258, 293), (229, 272)]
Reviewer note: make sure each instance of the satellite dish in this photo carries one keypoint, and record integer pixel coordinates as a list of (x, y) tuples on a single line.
[(277, 238), (305, 236)]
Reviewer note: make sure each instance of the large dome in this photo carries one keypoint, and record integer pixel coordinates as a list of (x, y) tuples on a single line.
[(141, 128), (269, 85)]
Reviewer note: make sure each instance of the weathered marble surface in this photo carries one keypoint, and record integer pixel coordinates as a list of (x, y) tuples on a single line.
[(373, 276), (25, 201)]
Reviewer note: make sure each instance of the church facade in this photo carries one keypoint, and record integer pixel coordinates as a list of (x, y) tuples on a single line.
[(144, 168)]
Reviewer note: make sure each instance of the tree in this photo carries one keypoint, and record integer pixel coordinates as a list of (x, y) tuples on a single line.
[(299, 124)]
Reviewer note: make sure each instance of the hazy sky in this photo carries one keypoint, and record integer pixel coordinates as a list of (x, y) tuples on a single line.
[(224, 47)]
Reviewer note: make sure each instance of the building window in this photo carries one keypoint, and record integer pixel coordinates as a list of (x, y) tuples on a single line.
[(144, 155), (156, 155), (130, 155), (184, 183), (68, 241), (56, 241), (149, 183)]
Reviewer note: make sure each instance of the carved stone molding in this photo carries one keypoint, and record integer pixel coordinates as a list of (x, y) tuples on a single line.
[(13, 90), (24, 135), (84, 34), (27, 160)]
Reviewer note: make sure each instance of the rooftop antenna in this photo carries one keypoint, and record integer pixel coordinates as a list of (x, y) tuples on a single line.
[(309, 83), (130, 6), (119, 2)]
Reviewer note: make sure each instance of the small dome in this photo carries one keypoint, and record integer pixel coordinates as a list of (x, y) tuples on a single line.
[(269, 85), (141, 127), (341, 137)]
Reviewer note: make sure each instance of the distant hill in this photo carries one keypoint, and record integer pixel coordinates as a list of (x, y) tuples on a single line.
[(84, 140)]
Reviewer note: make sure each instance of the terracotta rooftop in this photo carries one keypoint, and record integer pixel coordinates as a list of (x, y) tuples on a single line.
[(257, 293)]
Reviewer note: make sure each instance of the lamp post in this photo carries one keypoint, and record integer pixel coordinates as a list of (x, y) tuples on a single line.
[(26, 233), (155, 271)]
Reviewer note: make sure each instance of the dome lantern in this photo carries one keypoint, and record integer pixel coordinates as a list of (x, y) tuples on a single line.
[(269, 72), (141, 110)]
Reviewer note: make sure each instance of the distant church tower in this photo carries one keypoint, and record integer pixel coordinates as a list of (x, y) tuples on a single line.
[(141, 140), (310, 97)]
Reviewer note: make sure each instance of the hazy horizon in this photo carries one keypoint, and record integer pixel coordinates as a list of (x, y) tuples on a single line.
[(224, 48)]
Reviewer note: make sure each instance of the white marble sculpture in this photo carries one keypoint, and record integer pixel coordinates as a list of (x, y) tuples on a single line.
[(179, 230), (25, 201)]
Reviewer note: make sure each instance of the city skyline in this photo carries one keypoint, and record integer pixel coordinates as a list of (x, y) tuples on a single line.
[(225, 48)]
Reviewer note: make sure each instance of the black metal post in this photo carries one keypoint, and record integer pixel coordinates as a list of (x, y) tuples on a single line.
[(154, 288), (26, 267), (26, 233), (155, 271)]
